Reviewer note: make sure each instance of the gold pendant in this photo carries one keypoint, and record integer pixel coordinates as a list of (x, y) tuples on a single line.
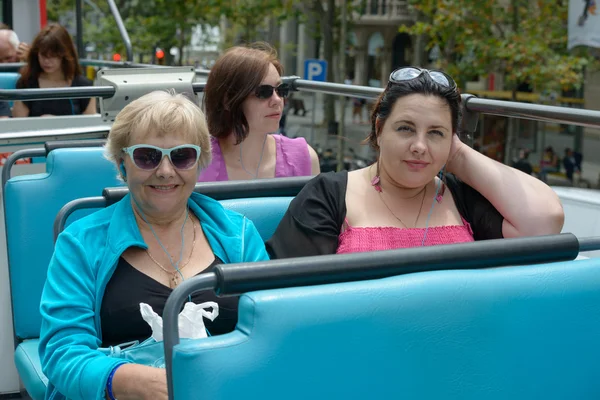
[(174, 281)]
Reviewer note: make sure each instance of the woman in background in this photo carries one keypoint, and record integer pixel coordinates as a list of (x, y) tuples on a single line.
[(244, 102), (52, 62)]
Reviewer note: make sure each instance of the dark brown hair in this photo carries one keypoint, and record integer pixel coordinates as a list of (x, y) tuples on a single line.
[(423, 84), (53, 40), (234, 77)]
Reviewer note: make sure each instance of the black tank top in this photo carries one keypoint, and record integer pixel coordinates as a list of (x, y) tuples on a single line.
[(120, 315), (56, 106)]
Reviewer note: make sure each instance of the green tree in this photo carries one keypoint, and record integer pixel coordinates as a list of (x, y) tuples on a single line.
[(249, 20), (173, 20), (149, 23), (526, 40), (523, 39)]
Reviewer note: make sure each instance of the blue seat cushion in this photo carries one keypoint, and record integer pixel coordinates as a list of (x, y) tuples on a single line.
[(31, 205), (8, 80), (505, 333), (29, 367), (264, 212)]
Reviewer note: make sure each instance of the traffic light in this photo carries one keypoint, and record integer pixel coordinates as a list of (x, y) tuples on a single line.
[(159, 54), (116, 57)]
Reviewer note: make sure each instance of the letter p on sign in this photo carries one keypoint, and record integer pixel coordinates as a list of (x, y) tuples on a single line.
[(315, 70)]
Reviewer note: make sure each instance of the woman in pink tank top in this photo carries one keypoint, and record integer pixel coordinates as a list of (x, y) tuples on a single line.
[(244, 99), (426, 188)]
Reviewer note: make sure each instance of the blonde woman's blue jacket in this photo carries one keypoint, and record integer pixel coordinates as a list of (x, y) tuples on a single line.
[(85, 257)]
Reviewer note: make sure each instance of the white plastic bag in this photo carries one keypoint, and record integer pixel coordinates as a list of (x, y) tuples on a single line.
[(191, 320)]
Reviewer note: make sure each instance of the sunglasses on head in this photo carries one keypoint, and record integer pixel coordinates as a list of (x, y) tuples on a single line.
[(148, 157), (264, 92), (409, 73)]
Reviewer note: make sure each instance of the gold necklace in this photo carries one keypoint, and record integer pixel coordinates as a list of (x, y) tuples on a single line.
[(376, 183), (395, 216), (175, 278)]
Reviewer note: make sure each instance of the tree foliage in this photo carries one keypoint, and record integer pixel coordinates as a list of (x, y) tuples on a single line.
[(524, 39), (149, 23), (251, 20)]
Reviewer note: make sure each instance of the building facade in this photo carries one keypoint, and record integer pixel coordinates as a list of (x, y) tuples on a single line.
[(376, 45)]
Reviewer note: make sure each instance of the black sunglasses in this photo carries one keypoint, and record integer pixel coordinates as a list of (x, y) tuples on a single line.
[(409, 73), (264, 92)]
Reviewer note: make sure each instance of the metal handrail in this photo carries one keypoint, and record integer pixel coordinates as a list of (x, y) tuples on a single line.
[(539, 112), (472, 104), (81, 92), (16, 67), (554, 114), (118, 64), (367, 92)]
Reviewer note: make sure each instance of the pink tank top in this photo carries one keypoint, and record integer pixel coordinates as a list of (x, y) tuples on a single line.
[(356, 240), (292, 159)]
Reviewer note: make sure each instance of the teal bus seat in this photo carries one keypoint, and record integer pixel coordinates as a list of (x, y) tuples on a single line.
[(38, 155), (264, 202), (525, 332), (31, 204), (27, 361), (266, 212), (8, 80)]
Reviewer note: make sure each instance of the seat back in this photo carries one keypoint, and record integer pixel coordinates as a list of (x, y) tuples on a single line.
[(8, 80), (31, 204), (499, 333), (264, 212), (264, 201)]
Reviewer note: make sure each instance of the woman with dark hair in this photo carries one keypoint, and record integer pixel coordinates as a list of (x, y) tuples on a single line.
[(52, 62), (244, 102), (426, 188)]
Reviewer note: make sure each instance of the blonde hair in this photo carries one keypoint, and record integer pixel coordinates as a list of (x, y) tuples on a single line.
[(162, 113)]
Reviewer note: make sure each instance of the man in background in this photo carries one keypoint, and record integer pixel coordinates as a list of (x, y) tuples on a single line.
[(11, 51), (572, 163)]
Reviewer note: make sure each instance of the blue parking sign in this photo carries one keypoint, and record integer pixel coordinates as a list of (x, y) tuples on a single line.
[(315, 70)]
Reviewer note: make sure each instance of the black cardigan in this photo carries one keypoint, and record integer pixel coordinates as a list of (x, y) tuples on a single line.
[(312, 224)]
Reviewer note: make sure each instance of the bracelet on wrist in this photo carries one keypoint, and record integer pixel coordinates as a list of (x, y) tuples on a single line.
[(109, 383)]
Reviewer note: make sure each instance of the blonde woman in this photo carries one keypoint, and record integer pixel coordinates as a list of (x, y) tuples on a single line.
[(138, 251)]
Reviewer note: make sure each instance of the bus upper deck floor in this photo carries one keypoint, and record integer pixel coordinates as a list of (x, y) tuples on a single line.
[(89, 173)]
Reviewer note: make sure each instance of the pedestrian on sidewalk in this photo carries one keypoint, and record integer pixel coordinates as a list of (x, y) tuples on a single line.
[(548, 164)]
